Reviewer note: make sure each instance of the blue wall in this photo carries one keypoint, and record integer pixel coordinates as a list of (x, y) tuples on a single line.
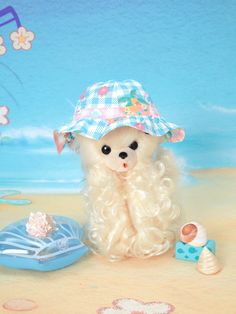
[(182, 51)]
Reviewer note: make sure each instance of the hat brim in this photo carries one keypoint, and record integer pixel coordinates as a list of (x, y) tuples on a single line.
[(97, 128)]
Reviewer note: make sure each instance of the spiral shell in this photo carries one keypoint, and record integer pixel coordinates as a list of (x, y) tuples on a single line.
[(208, 264), (194, 234)]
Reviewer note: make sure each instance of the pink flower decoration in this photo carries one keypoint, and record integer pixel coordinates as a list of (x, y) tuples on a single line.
[(40, 225), (103, 91), (3, 115), (3, 49), (132, 306), (22, 38), (177, 136), (139, 126)]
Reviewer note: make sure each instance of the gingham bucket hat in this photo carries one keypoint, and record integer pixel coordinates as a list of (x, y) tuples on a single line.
[(106, 106)]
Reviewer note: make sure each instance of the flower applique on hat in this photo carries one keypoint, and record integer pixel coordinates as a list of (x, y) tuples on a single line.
[(105, 106)]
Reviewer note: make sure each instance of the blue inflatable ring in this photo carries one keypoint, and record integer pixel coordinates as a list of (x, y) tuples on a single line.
[(21, 251)]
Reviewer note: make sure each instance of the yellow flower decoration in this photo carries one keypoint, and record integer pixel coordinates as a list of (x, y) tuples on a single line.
[(21, 39)]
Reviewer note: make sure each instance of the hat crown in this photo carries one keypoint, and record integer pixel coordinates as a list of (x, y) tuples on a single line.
[(113, 99), (106, 106)]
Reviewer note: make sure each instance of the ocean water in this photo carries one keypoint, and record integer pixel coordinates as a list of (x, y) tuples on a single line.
[(35, 165), (182, 52)]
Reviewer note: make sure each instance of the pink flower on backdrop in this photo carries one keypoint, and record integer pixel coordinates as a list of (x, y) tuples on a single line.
[(22, 38), (103, 91), (3, 49), (3, 115), (132, 306)]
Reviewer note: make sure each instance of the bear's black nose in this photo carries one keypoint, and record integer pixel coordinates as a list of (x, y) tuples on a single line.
[(123, 155)]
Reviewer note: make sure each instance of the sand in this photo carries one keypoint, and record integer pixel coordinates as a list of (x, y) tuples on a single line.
[(93, 282)]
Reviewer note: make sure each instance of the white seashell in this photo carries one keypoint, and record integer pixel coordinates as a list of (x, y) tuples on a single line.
[(40, 225), (208, 263), (194, 234)]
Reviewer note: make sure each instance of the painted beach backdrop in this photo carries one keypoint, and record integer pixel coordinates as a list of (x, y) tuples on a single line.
[(183, 52)]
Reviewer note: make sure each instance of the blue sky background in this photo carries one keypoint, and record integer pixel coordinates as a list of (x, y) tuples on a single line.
[(183, 52)]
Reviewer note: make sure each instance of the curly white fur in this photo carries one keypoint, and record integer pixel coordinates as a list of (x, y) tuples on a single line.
[(131, 213)]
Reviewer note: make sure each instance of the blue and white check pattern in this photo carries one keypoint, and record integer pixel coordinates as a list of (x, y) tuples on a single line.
[(100, 110), (92, 99)]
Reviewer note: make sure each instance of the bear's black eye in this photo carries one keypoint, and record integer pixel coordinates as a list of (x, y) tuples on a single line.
[(133, 145), (106, 149)]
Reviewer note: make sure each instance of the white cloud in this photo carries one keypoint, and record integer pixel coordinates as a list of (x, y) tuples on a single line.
[(46, 151), (29, 132), (54, 181), (49, 151), (220, 109)]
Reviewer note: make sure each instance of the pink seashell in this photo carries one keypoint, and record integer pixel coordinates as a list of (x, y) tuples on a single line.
[(40, 225), (194, 234)]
